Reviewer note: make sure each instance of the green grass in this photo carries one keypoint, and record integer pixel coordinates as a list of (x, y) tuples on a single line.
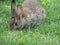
[(47, 33)]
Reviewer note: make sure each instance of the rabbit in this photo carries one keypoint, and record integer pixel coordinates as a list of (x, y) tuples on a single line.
[(26, 15)]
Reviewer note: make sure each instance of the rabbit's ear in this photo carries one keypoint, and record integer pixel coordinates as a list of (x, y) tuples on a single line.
[(21, 11), (13, 8)]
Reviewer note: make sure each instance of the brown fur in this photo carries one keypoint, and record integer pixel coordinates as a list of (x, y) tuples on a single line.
[(27, 15)]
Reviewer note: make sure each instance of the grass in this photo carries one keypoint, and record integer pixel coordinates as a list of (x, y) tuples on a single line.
[(47, 33)]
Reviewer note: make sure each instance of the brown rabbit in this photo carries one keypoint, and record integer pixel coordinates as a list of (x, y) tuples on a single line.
[(27, 15)]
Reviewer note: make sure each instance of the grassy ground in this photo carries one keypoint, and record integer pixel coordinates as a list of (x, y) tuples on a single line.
[(47, 33)]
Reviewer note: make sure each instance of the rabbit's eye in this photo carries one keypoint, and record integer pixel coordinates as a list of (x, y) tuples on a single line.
[(12, 17), (16, 24)]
